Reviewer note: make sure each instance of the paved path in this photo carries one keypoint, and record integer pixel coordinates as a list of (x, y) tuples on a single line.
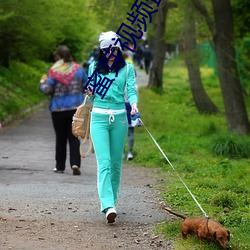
[(26, 163), (31, 191), (27, 160), (141, 78)]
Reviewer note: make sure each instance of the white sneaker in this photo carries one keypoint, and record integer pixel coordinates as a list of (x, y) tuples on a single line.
[(58, 171), (111, 214), (76, 170), (130, 156)]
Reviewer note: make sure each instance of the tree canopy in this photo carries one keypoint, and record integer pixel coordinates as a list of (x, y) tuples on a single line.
[(32, 32)]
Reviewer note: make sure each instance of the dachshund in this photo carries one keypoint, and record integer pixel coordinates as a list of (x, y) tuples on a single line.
[(204, 229)]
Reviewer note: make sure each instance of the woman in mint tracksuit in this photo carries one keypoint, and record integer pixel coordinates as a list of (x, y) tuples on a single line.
[(109, 123)]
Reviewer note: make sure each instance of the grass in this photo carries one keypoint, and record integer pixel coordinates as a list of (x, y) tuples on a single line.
[(19, 88), (214, 164)]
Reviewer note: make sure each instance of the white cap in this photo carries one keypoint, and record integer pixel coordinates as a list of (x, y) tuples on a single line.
[(107, 38)]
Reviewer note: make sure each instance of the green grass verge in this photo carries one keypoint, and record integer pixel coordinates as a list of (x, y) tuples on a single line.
[(19, 88), (214, 164)]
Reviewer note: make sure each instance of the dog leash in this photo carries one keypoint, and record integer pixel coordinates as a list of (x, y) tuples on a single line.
[(174, 170)]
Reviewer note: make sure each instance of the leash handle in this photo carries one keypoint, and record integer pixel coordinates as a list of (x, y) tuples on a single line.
[(90, 149), (174, 170)]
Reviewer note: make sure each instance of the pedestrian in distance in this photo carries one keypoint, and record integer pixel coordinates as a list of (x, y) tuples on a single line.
[(109, 125), (131, 129), (147, 54), (92, 57), (138, 56), (65, 84)]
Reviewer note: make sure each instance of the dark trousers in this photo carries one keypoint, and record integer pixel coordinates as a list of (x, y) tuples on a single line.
[(131, 139), (147, 65), (62, 122)]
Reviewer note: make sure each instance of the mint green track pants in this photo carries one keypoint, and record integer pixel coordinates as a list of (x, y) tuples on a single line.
[(108, 136)]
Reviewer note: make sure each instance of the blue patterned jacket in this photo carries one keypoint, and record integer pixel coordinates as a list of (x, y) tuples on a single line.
[(65, 97)]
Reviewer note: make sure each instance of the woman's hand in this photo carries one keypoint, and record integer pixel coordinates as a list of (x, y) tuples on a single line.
[(89, 92), (134, 109)]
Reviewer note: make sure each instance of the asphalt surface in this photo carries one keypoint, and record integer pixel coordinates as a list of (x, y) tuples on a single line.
[(31, 190), (26, 164)]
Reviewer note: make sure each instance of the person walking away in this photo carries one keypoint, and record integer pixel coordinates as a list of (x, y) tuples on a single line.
[(147, 58), (65, 84), (138, 56), (128, 109), (109, 123), (130, 133)]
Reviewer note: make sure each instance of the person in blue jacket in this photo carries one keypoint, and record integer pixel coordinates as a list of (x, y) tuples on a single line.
[(65, 84), (109, 124)]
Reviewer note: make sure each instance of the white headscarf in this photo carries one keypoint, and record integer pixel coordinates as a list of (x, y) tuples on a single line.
[(105, 39)]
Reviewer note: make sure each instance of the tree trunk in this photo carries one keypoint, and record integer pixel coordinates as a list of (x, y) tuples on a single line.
[(159, 47), (235, 109), (201, 99)]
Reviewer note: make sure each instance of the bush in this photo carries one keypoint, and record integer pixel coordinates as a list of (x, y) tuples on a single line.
[(231, 146)]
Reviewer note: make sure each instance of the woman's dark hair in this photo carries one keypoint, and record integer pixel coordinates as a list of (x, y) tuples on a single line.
[(63, 52), (101, 61)]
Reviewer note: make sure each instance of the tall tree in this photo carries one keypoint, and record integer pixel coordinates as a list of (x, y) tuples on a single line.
[(201, 99), (223, 38), (159, 46)]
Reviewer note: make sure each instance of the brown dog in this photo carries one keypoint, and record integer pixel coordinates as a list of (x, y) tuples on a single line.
[(204, 229)]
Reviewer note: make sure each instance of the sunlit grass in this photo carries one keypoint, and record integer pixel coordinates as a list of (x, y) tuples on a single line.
[(219, 182)]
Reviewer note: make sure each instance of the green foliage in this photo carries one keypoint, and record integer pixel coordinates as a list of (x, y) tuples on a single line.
[(231, 146), (41, 29), (224, 200), (241, 17), (176, 18), (19, 87), (174, 25), (210, 129), (219, 183), (243, 59), (115, 10)]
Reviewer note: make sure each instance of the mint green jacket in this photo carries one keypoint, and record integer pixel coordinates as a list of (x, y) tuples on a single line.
[(123, 83)]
